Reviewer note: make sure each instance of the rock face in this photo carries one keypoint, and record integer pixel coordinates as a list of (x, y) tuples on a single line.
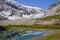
[(54, 9), (13, 10), (2, 18)]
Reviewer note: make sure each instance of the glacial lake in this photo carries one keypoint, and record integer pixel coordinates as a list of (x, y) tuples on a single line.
[(30, 35), (24, 34)]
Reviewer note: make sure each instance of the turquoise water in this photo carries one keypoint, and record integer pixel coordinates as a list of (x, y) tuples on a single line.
[(24, 34), (29, 36)]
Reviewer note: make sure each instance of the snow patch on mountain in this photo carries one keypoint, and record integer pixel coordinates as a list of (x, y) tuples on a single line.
[(16, 10)]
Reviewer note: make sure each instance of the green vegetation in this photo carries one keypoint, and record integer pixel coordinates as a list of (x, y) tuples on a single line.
[(33, 26), (53, 36), (50, 17), (37, 26)]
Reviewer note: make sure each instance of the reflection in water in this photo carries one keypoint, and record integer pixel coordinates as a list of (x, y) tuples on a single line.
[(30, 35), (24, 34)]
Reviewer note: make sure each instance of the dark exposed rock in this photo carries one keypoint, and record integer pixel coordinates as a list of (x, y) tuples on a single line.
[(2, 28), (52, 6), (57, 23), (2, 18)]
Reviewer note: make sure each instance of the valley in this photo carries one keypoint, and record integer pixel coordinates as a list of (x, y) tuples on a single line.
[(21, 22)]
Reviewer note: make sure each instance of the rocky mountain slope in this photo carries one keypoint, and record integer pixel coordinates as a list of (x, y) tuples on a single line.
[(52, 15), (13, 10), (21, 14), (54, 9)]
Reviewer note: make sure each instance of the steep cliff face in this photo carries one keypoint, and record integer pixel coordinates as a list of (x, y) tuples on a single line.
[(12, 10)]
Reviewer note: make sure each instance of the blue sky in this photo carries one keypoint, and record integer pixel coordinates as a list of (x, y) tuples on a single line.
[(37, 3)]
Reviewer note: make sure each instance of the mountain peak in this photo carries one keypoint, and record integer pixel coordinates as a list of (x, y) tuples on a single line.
[(13, 10)]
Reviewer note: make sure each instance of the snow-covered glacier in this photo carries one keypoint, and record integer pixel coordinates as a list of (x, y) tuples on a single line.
[(13, 10)]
